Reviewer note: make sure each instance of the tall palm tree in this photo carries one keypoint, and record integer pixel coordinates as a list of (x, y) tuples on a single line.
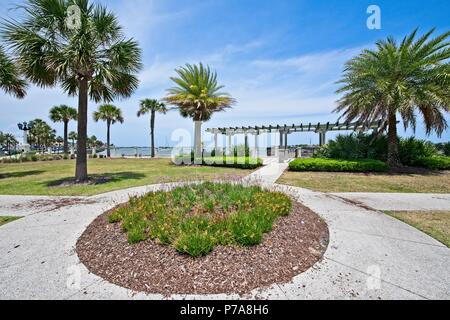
[(111, 114), (10, 80), (80, 46), (73, 137), (198, 96), (64, 114), (403, 79), (152, 106)]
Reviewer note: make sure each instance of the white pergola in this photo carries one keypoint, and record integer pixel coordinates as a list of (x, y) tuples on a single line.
[(286, 130)]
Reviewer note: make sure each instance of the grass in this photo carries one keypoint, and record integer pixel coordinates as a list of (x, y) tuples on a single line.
[(40, 178), (335, 165), (194, 219), (432, 182), (5, 220), (434, 223)]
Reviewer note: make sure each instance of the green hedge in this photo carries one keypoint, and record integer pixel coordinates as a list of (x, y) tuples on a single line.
[(331, 165), (433, 163), (229, 162)]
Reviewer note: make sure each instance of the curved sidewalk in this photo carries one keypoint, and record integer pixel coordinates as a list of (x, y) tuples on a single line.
[(370, 256)]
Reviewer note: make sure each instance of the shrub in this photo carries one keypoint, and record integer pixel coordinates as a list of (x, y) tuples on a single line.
[(332, 165), (444, 148), (355, 146), (368, 146), (34, 158), (412, 149), (195, 244), (194, 219), (433, 163), (233, 162)]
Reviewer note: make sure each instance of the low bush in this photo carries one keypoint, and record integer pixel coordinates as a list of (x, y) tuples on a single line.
[(433, 163), (227, 161), (332, 165), (196, 218)]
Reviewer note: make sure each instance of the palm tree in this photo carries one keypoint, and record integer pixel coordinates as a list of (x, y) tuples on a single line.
[(399, 79), (73, 137), (10, 141), (64, 114), (10, 80), (197, 96), (41, 133), (152, 106), (87, 54), (111, 114)]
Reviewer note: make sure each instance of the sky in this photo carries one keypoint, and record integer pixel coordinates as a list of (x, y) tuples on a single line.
[(279, 59)]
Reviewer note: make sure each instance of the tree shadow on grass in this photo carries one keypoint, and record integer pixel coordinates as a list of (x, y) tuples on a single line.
[(20, 174), (97, 179)]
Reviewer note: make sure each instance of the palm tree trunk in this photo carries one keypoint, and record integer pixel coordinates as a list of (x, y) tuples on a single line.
[(198, 143), (81, 174), (393, 153), (66, 140), (108, 138), (152, 132)]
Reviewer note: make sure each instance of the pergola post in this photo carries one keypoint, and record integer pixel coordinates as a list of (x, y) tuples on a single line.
[(322, 138), (230, 146), (216, 144), (281, 140), (256, 153), (246, 144), (286, 140)]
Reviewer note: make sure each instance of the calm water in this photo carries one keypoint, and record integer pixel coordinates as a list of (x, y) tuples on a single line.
[(145, 152)]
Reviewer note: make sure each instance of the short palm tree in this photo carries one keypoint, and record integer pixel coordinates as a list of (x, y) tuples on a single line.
[(111, 114), (198, 96), (399, 79), (10, 141), (80, 46), (64, 114), (152, 106), (41, 133), (10, 80), (73, 137)]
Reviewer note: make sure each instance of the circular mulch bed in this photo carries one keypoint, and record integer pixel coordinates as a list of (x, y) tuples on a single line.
[(296, 243)]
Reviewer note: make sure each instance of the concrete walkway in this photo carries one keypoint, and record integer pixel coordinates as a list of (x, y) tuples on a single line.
[(400, 201), (270, 173), (370, 255)]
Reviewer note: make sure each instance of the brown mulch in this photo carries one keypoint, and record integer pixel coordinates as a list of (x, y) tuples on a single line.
[(296, 243)]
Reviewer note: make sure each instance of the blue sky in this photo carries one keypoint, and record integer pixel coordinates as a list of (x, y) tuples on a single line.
[(279, 59)]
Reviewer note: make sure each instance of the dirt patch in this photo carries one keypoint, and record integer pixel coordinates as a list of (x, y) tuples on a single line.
[(296, 243), (54, 204), (92, 181)]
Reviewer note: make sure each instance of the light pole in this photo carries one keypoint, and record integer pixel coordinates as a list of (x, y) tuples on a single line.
[(25, 127)]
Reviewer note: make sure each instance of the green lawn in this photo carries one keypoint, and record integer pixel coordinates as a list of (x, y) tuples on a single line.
[(433, 182), (40, 178), (5, 220), (434, 223)]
